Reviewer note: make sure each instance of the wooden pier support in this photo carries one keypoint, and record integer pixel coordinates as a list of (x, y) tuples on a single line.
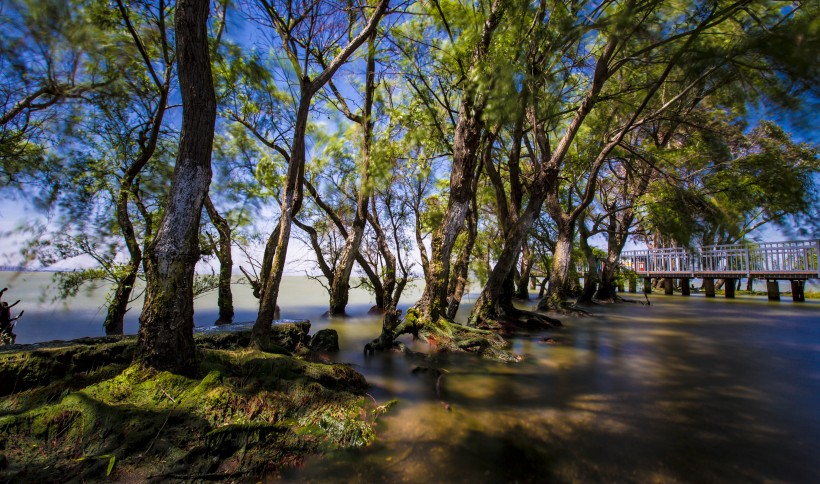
[(684, 286), (773, 290), (668, 286), (647, 285), (798, 291), (729, 288), (709, 287), (633, 285)]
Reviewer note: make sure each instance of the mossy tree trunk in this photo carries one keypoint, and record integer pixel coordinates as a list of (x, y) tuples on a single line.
[(559, 288), (223, 253), (466, 143), (459, 276), (166, 339)]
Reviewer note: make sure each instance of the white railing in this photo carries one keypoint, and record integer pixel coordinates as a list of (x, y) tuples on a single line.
[(799, 258)]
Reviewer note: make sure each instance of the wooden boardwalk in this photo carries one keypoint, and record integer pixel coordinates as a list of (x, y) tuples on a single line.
[(794, 261)]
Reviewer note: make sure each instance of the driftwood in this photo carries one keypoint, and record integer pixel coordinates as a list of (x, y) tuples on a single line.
[(7, 323)]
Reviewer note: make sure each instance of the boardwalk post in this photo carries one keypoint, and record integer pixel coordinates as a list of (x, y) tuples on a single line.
[(684, 286), (798, 293), (773, 289), (729, 288), (709, 286), (668, 286)]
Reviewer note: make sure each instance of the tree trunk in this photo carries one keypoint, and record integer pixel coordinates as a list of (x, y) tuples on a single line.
[(527, 261), (340, 287), (115, 317), (223, 253), (560, 285), (466, 141), (606, 287), (459, 278), (293, 193), (166, 339), (291, 203), (591, 277), (433, 302), (495, 300)]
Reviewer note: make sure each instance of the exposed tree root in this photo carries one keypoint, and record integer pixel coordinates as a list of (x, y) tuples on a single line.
[(563, 307), (515, 321), (444, 336), (449, 337)]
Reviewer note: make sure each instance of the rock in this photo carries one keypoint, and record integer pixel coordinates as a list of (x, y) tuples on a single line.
[(290, 335), (326, 341)]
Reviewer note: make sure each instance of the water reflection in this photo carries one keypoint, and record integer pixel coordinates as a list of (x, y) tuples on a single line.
[(687, 389), (684, 390)]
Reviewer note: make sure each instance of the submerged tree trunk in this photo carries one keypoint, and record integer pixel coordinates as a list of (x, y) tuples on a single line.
[(166, 339), (494, 304), (223, 253), (606, 288), (293, 192), (340, 287)]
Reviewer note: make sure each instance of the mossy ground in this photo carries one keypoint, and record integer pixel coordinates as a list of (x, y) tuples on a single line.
[(249, 414)]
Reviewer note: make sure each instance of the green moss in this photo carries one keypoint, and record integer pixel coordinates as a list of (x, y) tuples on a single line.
[(250, 414)]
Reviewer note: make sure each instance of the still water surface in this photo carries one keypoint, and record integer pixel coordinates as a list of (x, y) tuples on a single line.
[(685, 390)]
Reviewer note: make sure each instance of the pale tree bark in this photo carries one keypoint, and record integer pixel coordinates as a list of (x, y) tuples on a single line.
[(166, 340)]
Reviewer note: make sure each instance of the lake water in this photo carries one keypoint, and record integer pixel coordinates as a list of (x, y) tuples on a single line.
[(685, 390)]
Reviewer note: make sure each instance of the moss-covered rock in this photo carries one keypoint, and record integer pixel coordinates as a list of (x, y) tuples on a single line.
[(325, 341), (85, 413)]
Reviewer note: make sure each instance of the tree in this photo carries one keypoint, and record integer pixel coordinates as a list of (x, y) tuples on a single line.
[(222, 248), (166, 339), (45, 64), (466, 142), (297, 38)]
